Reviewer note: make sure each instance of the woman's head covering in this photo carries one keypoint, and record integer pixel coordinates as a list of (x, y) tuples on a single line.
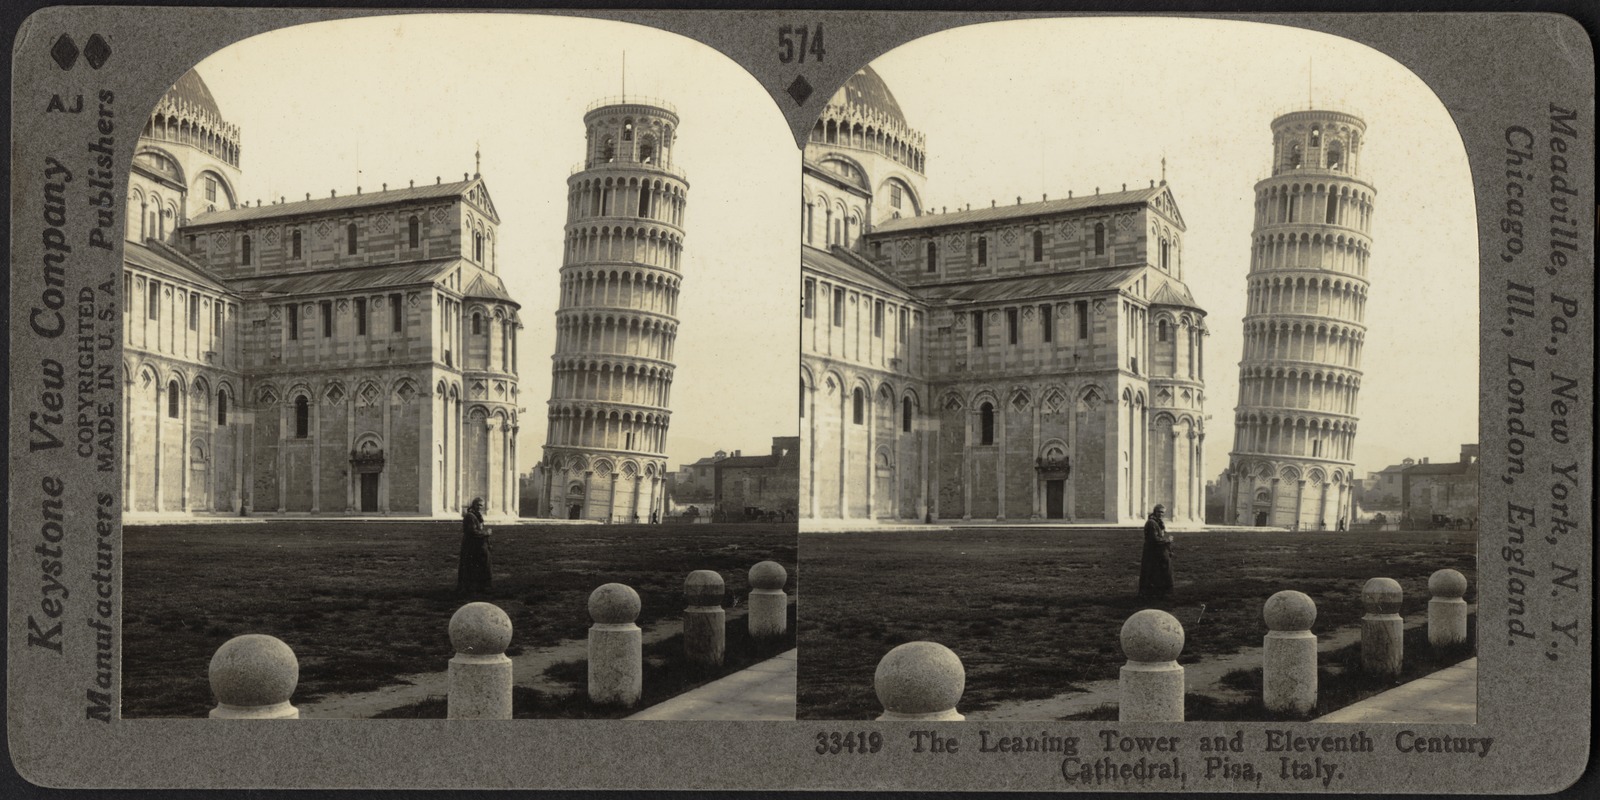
[(477, 502)]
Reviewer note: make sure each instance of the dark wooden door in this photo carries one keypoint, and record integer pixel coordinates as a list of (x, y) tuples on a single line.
[(1055, 499), (369, 491)]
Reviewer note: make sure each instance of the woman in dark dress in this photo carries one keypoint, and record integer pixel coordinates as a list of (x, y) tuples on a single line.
[(473, 574), (1155, 569)]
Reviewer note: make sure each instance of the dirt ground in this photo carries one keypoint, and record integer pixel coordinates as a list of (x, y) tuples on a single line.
[(1031, 613), (363, 602)]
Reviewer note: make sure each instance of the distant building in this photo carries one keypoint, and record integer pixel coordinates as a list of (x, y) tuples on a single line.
[(1441, 494), (1381, 490), (759, 486), (696, 483)]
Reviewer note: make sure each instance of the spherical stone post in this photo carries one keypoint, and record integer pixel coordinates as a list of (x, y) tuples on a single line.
[(1289, 654), (1382, 630), (704, 637), (480, 673), (1447, 612), (253, 677), (616, 648), (769, 605), (920, 681), (1152, 680)]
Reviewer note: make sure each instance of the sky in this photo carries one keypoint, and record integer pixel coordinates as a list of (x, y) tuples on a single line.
[(1043, 106), (412, 97)]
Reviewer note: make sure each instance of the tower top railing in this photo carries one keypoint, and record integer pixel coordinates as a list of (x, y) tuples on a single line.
[(1316, 172), (1325, 107), (632, 100), (622, 164)]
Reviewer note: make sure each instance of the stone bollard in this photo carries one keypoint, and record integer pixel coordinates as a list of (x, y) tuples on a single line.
[(1447, 612), (1289, 654), (480, 673), (704, 638), (616, 667), (253, 677), (1382, 630), (769, 606), (1152, 680), (920, 681)]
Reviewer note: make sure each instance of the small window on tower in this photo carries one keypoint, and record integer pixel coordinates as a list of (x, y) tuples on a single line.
[(983, 250), (244, 249), (1316, 136), (838, 307), (1038, 246), (933, 257), (858, 407), (350, 238), (627, 131), (413, 234), (294, 245)]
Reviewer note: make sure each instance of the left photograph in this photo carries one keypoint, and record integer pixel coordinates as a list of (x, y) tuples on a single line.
[(458, 369)]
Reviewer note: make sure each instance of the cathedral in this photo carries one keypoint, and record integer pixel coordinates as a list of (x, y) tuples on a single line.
[(1026, 361), (351, 355)]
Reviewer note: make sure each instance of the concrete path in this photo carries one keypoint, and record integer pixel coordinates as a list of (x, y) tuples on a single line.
[(1449, 695), (765, 691)]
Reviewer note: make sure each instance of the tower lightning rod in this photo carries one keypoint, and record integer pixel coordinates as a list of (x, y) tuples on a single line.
[(624, 76)]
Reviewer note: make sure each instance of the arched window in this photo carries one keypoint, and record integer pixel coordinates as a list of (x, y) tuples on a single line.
[(1161, 331), (1333, 209), (647, 151), (1166, 252), (294, 245), (222, 407), (350, 238), (1099, 239), (477, 247), (413, 232), (933, 257), (302, 417), (477, 323), (858, 407), (1295, 157), (608, 150), (983, 250), (1038, 245), (986, 424), (173, 393), (244, 249), (1316, 136), (905, 414), (627, 131)]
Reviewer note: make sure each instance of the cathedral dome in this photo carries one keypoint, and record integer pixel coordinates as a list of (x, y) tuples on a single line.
[(192, 89), (867, 94)]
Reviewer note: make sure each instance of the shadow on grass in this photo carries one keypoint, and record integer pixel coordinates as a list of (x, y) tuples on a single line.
[(1340, 682), (667, 674)]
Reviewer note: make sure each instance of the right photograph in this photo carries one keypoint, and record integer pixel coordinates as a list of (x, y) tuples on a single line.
[(1138, 381)]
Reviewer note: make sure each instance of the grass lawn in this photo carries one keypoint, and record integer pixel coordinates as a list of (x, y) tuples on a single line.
[(362, 603), (1032, 613)]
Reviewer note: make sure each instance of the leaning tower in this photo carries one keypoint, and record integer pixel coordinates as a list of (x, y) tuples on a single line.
[(617, 320), (1292, 464)]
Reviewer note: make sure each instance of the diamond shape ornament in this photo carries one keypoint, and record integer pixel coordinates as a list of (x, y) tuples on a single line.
[(96, 51), (65, 51), (800, 90)]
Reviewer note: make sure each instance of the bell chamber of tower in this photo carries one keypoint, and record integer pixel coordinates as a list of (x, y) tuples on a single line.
[(617, 322), (1292, 464)]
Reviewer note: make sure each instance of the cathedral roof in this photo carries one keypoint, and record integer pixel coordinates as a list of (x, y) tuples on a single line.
[(999, 213), (867, 92), (153, 256), (358, 278), (989, 290), (325, 204), (1173, 293), (488, 285), (192, 89), (843, 265)]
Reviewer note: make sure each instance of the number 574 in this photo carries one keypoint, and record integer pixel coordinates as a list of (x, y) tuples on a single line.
[(810, 42)]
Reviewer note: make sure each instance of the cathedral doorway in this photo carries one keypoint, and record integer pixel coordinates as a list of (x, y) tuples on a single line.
[(1262, 508), (575, 511), (575, 501), (1055, 499), (369, 492)]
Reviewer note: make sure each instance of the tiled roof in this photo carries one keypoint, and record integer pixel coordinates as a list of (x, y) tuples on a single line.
[(1032, 287), (1173, 293), (325, 204), (846, 266), (157, 257), (998, 213), (488, 285), (410, 273)]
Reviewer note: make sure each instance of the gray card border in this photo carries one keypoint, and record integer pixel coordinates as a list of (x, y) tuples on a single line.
[(1492, 71)]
